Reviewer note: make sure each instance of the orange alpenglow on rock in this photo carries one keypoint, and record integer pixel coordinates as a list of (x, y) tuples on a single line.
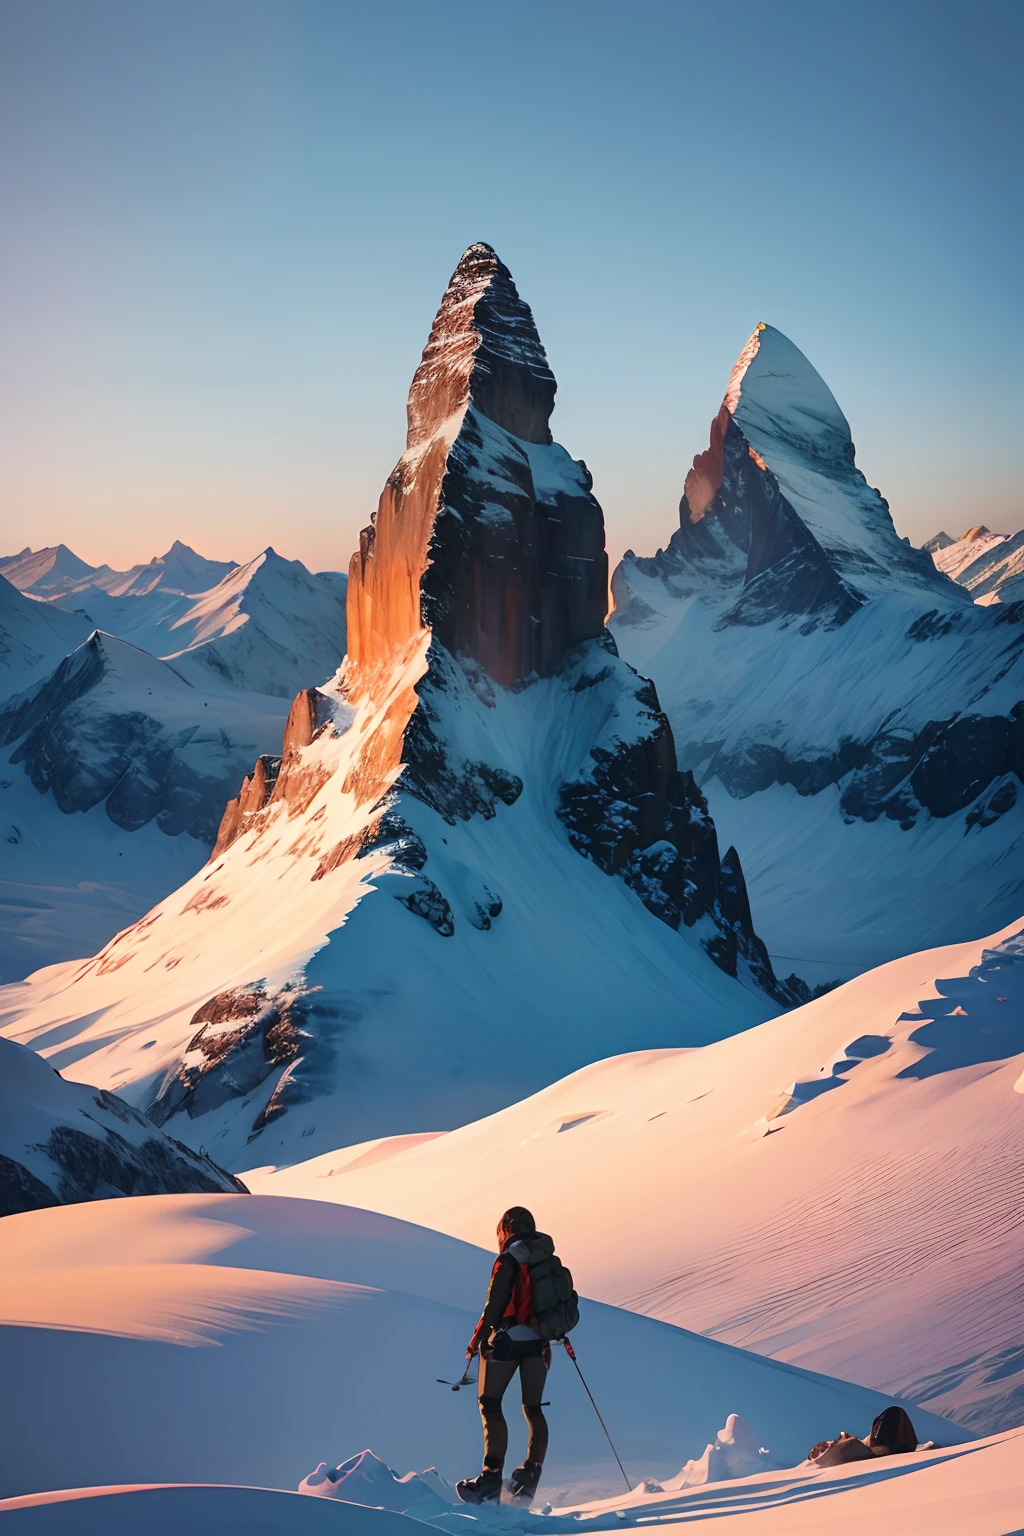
[(505, 578)]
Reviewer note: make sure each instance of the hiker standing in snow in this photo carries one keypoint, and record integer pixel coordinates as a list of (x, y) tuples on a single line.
[(530, 1301)]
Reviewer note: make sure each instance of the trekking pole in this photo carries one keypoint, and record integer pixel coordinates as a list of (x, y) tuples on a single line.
[(572, 1356)]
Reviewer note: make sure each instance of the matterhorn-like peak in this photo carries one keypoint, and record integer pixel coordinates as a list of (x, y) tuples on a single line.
[(484, 780)]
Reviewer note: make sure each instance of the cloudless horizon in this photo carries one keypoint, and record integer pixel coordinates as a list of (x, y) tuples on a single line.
[(227, 227)]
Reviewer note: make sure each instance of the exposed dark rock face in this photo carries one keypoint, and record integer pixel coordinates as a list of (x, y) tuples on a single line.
[(242, 1037), (65, 1143), (20, 1190), (465, 542), (639, 817), (454, 788), (753, 539), (246, 1036)]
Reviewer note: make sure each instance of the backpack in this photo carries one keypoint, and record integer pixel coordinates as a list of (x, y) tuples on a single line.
[(556, 1307)]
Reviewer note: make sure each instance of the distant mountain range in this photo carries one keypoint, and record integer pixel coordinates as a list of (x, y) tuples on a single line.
[(990, 565), (135, 701)]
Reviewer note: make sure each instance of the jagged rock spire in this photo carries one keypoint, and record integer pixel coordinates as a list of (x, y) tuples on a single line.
[(483, 348), (498, 554)]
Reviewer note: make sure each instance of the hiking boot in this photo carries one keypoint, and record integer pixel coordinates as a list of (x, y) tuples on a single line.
[(522, 1483), (485, 1489)]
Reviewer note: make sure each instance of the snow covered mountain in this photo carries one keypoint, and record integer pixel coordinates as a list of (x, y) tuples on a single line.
[(61, 1143), (841, 1188), (270, 626), (187, 730), (246, 1339), (989, 565), (58, 572), (94, 759), (475, 865), (113, 724), (854, 719), (45, 572), (33, 638)]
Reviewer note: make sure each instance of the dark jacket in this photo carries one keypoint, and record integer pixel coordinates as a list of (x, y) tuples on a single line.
[(504, 1274)]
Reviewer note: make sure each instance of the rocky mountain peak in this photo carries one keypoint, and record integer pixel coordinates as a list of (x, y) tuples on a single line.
[(483, 348), (775, 509), (486, 533)]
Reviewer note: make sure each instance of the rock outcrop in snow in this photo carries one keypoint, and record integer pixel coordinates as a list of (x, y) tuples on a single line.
[(62, 1143), (485, 779), (820, 674)]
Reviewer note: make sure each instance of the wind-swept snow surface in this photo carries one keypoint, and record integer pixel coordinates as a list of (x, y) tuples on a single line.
[(841, 1188), (853, 718), (971, 1490), (475, 864), (232, 1338)]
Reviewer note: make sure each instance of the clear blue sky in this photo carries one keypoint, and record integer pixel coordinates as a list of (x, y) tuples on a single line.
[(225, 226)]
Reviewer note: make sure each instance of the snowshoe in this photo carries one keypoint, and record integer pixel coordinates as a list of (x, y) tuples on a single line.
[(485, 1489), (522, 1483)]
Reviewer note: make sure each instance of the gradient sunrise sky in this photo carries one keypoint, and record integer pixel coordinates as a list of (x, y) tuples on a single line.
[(226, 226)]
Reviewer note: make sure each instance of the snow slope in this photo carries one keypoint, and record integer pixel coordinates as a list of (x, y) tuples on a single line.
[(475, 864), (841, 1188), (33, 638), (852, 717), (62, 1142), (68, 883), (244, 1339), (972, 1490)]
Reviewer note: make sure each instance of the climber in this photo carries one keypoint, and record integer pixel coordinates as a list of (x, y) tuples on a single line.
[(530, 1301)]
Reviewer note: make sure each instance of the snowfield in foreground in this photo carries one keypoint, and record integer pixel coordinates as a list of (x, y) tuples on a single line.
[(971, 1490), (244, 1339), (840, 1188)]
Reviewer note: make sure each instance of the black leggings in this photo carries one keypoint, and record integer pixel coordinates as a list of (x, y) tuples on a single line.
[(495, 1376)]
